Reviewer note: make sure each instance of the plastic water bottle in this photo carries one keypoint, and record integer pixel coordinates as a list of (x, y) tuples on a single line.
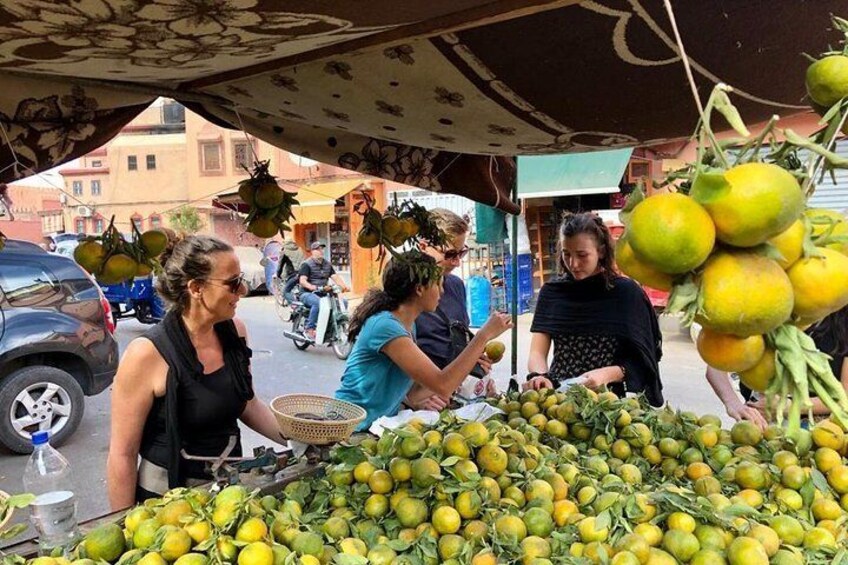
[(54, 511), (479, 293)]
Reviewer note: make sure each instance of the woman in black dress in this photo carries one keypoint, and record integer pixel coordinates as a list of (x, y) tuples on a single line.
[(186, 383), (601, 325)]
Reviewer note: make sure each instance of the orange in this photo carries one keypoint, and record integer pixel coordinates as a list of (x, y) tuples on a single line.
[(263, 227), (760, 375), (827, 80), (729, 305), (828, 434), (629, 264), (747, 551), (820, 284), (492, 459), (446, 520), (671, 232), (90, 256), (729, 352), (757, 202), (790, 244)]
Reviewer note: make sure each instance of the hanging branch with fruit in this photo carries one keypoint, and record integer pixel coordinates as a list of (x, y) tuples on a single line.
[(114, 260), (403, 224), (742, 254), (270, 206)]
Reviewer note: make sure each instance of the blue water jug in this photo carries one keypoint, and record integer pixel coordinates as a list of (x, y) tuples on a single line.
[(479, 294)]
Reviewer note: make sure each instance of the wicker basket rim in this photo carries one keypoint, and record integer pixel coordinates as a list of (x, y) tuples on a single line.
[(358, 409), (5, 496)]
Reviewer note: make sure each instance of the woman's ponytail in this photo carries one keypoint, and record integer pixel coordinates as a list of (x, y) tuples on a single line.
[(375, 301)]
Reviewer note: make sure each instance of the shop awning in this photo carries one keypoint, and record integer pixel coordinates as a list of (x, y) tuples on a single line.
[(318, 201), (597, 172)]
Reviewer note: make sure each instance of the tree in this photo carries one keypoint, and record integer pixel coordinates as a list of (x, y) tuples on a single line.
[(186, 219)]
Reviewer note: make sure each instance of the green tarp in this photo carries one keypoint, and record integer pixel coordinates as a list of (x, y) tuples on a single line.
[(597, 172), (491, 224)]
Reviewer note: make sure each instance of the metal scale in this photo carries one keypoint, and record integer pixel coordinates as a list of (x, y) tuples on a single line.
[(260, 469)]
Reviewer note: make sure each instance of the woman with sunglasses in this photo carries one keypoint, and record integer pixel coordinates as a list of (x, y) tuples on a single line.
[(385, 360), (601, 325), (443, 333), (183, 387)]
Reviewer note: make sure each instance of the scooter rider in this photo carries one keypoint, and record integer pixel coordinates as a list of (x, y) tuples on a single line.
[(288, 269), (315, 273)]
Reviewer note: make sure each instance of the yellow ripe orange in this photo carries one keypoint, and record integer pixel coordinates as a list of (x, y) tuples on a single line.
[(729, 305), (729, 352), (827, 80), (118, 268), (651, 533), (790, 244), (697, 470), (820, 284), (828, 434), (826, 459), (760, 375), (671, 232), (629, 264), (90, 256), (759, 201)]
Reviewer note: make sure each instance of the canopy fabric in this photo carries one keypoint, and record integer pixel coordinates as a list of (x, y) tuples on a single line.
[(565, 175), (439, 95)]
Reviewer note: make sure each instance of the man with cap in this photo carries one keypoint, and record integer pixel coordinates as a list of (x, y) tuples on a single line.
[(314, 274)]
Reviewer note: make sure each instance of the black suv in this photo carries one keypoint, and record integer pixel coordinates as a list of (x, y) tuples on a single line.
[(56, 344)]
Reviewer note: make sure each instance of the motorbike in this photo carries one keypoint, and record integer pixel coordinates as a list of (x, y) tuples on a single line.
[(332, 326), (135, 299)]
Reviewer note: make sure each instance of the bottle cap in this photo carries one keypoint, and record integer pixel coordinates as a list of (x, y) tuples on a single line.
[(40, 438)]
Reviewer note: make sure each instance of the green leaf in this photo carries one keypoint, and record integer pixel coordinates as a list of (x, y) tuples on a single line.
[(806, 143), (450, 461), (603, 520), (349, 454), (722, 103), (633, 200), (347, 559), (685, 298), (20, 500), (819, 480), (398, 545), (14, 531), (708, 186), (770, 251)]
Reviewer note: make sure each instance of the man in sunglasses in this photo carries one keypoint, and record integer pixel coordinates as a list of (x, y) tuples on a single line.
[(442, 334), (314, 275)]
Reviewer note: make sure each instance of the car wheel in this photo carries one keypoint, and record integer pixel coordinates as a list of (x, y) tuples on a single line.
[(39, 398)]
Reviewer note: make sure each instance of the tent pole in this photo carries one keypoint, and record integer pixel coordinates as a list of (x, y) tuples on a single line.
[(513, 299)]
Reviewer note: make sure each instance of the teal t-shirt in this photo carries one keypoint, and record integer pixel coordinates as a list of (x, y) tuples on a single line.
[(371, 379)]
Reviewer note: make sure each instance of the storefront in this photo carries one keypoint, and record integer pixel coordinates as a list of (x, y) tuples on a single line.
[(551, 185)]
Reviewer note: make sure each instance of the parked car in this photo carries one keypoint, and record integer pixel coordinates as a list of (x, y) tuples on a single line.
[(252, 267), (56, 344)]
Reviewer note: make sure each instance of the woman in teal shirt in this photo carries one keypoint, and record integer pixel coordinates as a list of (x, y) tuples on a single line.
[(385, 360)]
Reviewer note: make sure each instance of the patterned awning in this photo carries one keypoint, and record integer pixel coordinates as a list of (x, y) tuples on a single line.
[(438, 94)]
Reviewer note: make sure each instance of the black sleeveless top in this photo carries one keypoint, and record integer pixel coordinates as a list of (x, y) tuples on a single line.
[(199, 412)]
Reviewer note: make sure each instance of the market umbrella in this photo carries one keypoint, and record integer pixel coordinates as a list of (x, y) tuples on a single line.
[(440, 95)]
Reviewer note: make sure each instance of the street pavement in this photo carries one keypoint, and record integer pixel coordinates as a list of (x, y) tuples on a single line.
[(279, 368)]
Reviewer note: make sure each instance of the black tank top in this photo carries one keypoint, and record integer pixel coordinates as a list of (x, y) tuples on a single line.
[(208, 408)]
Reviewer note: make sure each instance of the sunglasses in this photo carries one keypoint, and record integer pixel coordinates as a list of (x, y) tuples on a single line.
[(234, 284), (452, 254)]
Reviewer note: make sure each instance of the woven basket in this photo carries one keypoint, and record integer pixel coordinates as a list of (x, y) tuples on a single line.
[(290, 410), (8, 515)]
